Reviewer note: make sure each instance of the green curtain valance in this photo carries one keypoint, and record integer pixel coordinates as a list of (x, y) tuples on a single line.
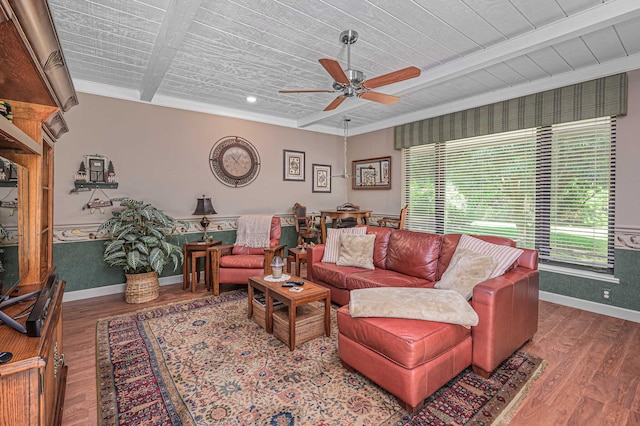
[(602, 97)]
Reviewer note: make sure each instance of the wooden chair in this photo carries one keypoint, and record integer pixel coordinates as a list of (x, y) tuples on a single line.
[(393, 222), (234, 264), (348, 222), (304, 227)]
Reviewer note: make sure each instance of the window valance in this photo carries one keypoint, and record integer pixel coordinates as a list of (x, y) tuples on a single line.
[(602, 97)]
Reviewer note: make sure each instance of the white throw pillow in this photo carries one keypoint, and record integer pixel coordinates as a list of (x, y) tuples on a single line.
[(356, 250), (332, 246), (466, 269), (505, 255)]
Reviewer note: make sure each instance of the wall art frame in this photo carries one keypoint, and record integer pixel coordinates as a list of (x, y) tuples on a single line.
[(293, 165), (321, 178), (372, 173)]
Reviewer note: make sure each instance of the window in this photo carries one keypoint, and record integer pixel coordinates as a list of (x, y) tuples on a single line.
[(550, 188)]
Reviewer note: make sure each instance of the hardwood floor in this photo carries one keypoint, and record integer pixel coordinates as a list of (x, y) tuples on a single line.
[(593, 376)]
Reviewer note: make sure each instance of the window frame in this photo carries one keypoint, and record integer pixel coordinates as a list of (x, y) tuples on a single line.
[(419, 219)]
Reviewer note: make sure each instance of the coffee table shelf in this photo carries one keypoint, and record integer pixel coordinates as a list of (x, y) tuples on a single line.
[(274, 291)]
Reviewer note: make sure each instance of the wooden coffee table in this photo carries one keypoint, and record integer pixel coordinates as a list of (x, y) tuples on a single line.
[(273, 290)]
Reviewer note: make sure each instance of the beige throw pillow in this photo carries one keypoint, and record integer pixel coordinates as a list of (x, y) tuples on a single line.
[(466, 269), (356, 250), (332, 246), (505, 255)]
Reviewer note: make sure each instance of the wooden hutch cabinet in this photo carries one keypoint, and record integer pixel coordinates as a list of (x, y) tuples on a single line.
[(35, 81)]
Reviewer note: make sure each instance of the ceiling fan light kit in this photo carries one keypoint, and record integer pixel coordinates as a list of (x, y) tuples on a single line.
[(352, 82)]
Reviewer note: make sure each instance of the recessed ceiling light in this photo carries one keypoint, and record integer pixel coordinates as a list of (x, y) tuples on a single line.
[(252, 99)]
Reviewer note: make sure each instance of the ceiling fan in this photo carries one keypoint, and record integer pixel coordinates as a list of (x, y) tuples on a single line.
[(352, 82)]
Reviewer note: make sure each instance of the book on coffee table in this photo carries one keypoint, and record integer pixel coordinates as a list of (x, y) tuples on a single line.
[(262, 299)]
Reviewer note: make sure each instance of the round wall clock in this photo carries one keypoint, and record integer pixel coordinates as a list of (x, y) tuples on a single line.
[(234, 161)]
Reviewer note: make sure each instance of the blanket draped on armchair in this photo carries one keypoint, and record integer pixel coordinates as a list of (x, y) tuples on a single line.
[(253, 231)]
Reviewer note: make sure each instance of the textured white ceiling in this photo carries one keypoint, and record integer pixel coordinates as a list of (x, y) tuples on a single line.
[(208, 55)]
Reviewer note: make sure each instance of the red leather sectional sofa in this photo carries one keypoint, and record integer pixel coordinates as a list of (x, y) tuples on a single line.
[(413, 358)]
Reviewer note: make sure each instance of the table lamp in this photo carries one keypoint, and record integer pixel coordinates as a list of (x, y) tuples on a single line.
[(203, 208)]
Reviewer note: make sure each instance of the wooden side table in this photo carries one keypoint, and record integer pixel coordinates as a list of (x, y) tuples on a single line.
[(192, 252), (297, 256)]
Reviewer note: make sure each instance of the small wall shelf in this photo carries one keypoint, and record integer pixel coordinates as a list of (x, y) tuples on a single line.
[(101, 185)]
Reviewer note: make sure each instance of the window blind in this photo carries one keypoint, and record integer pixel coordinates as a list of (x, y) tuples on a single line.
[(549, 188), (578, 174)]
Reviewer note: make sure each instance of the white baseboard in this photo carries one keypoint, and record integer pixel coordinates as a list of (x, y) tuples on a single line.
[(585, 305), (70, 296)]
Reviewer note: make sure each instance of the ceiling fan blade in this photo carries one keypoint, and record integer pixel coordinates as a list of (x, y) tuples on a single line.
[(392, 77), (379, 97), (336, 103), (335, 70), (307, 91)]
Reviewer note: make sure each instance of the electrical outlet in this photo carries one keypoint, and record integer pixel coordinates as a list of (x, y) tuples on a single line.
[(606, 294)]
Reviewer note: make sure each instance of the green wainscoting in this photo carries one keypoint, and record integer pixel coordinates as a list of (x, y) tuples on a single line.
[(625, 294), (9, 258), (80, 264)]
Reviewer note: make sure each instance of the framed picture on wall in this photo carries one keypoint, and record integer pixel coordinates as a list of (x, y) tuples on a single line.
[(373, 173), (293, 165), (321, 178)]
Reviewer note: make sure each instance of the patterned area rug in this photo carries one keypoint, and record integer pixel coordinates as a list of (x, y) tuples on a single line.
[(203, 362)]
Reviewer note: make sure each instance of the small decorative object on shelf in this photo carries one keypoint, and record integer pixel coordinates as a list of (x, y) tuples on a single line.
[(8, 173), (97, 203), (5, 111), (99, 174)]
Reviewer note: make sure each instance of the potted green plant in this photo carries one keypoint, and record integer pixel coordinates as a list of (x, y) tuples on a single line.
[(137, 241)]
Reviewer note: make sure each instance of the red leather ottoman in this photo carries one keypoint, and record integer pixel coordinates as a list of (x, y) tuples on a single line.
[(409, 358)]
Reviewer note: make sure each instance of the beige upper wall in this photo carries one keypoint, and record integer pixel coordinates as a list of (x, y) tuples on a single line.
[(373, 145), (628, 159), (160, 155)]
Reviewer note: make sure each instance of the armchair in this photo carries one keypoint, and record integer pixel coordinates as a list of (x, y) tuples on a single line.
[(393, 222), (304, 227), (234, 264)]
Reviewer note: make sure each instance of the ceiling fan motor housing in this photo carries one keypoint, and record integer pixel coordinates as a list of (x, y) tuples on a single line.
[(355, 77)]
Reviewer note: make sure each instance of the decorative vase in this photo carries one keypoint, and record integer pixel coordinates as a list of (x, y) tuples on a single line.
[(142, 287)]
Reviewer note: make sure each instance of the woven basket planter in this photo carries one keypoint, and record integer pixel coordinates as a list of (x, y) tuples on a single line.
[(142, 288)]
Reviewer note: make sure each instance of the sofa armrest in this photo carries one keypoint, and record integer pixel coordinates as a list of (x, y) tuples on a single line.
[(507, 307), (314, 255)]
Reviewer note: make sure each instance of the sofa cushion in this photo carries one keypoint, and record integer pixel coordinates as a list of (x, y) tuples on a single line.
[(408, 342), (414, 253), (332, 246), (243, 261), (384, 278), (356, 250), (427, 304), (381, 246), (332, 274), (505, 256), (467, 268)]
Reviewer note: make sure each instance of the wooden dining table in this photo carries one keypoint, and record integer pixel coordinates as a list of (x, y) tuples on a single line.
[(360, 215)]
